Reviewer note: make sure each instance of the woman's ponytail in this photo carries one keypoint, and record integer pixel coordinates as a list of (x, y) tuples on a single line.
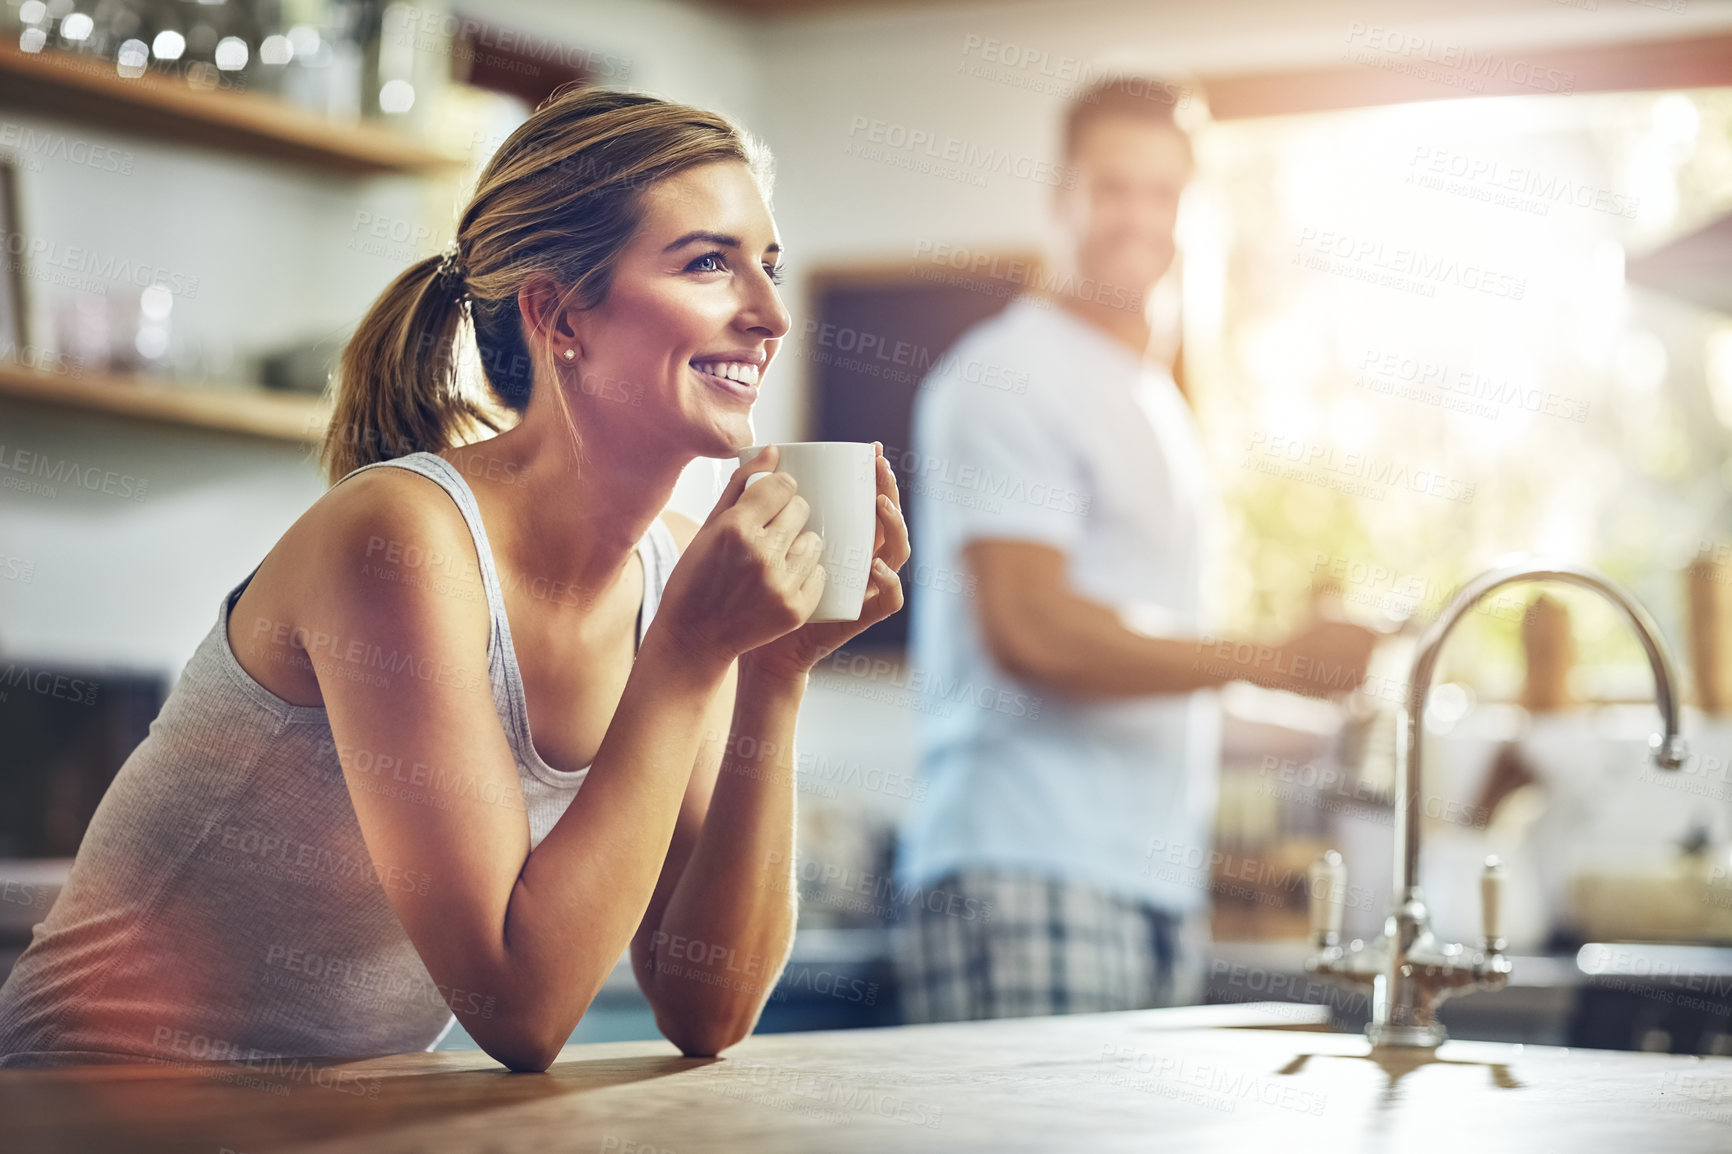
[(397, 380)]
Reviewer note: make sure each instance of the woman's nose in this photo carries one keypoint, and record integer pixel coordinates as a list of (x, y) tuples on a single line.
[(764, 312)]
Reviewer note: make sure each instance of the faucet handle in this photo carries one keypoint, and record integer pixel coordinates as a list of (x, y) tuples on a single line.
[(1491, 881), (1328, 878), (1669, 752)]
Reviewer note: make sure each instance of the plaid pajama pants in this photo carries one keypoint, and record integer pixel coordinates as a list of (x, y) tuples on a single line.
[(1009, 945)]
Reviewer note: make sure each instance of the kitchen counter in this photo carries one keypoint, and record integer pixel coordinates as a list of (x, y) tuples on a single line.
[(1199, 1078)]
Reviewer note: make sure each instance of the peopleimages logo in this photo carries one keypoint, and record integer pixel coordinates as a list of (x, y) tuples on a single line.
[(1490, 175), (871, 353), (464, 37), (33, 144), (936, 690), (1460, 390), (32, 472), (47, 684), (1055, 74), (1356, 474), (1367, 258), (1023, 274), (1430, 59), (973, 485), (39, 256), (869, 136), (881, 893)]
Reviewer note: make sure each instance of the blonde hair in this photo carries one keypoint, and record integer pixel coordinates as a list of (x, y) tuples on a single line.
[(560, 199)]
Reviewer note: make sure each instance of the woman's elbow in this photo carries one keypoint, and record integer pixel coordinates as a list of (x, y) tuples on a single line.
[(707, 1036), (528, 1060), (522, 1049), (525, 1056)]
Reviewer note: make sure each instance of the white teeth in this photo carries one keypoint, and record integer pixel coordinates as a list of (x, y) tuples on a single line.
[(742, 372)]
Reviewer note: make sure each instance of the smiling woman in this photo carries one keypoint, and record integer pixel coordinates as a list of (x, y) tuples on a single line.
[(556, 214), (324, 846)]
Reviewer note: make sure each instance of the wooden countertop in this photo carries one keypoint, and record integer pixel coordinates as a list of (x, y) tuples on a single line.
[(1158, 1079)]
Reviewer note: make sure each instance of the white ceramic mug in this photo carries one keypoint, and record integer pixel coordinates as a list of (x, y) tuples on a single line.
[(839, 481)]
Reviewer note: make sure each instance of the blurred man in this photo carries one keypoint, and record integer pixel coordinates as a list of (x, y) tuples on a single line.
[(1059, 861)]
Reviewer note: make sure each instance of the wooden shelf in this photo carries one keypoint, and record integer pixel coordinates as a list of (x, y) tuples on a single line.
[(88, 89), (291, 417)]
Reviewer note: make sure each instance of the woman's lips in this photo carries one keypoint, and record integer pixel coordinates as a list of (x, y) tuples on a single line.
[(732, 388)]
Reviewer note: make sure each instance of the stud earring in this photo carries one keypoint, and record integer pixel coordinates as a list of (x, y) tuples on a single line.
[(570, 354)]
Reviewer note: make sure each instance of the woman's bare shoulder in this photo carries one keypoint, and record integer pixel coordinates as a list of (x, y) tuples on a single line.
[(395, 499), (385, 521), (386, 548)]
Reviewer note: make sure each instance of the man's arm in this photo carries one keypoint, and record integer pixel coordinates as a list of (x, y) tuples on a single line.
[(1042, 631)]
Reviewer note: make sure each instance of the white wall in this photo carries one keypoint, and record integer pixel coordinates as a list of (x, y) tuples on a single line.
[(680, 51), (134, 583)]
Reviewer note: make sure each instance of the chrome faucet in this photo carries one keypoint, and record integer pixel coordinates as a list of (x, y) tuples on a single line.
[(1408, 971)]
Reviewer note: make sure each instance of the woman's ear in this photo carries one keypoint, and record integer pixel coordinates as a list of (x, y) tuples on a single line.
[(549, 319)]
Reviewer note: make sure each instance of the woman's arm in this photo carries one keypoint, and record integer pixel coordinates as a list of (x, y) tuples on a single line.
[(519, 943), (718, 930)]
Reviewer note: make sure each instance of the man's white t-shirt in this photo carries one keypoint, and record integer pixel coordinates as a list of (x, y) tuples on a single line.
[(1038, 427)]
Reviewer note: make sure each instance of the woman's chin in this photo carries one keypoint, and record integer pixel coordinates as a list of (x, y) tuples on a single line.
[(727, 438)]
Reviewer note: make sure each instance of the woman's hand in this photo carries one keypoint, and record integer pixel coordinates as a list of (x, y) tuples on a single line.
[(791, 656), (750, 574)]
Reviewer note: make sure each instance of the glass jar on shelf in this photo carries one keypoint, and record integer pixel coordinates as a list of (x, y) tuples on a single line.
[(323, 66)]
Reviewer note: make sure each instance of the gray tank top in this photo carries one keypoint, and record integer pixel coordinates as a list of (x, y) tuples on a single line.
[(223, 905)]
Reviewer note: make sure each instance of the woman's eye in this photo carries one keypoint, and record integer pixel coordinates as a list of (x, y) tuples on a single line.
[(717, 262)]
